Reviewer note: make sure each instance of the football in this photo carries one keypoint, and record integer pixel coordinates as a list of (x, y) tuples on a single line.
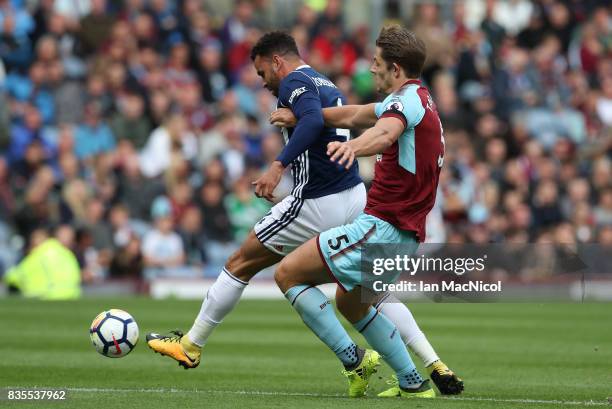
[(114, 333)]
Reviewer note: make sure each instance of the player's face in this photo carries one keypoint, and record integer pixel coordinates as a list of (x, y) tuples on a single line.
[(266, 70), (383, 74)]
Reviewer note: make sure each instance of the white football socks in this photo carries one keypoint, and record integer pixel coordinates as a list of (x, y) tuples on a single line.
[(413, 337), (221, 298)]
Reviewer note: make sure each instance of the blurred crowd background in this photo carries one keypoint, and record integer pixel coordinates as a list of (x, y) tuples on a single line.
[(131, 130)]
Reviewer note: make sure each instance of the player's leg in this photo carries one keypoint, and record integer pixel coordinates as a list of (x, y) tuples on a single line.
[(220, 300), (271, 238), (397, 312), (341, 250), (254, 255), (297, 276), (382, 335), (408, 328), (224, 294)]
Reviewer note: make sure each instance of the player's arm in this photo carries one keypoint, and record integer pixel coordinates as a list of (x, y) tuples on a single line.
[(350, 116), (375, 140), (307, 110), (303, 99), (346, 117)]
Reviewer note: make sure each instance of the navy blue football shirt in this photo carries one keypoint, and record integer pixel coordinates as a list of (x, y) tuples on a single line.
[(306, 92)]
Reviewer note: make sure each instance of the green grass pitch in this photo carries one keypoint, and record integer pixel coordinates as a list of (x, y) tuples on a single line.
[(262, 356)]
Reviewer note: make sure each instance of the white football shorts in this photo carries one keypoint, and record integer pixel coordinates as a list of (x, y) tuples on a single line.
[(293, 221)]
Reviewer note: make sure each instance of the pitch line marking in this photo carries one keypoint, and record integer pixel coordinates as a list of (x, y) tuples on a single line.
[(306, 394)]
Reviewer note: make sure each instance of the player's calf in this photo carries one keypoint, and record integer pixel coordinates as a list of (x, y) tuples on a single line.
[(250, 259)]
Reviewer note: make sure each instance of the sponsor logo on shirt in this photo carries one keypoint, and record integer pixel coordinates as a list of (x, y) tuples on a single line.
[(395, 105), (321, 82), (296, 93)]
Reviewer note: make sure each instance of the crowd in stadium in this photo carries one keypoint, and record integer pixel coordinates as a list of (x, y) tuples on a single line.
[(131, 130)]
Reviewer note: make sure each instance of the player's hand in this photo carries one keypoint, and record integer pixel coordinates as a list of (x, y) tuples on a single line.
[(265, 185), (283, 117), (341, 153)]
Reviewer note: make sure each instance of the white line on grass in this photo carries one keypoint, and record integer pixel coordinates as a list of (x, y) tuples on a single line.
[(543, 401), (304, 394)]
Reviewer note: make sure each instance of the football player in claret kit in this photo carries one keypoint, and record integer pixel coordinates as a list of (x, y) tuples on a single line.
[(407, 131), (324, 195)]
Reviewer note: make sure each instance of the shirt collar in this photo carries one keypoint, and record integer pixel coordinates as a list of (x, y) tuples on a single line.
[(417, 82)]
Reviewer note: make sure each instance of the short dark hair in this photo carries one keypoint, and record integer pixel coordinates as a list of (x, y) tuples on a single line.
[(401, 46), (274, 42)]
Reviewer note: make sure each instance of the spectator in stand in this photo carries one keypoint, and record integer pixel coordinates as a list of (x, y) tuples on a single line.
[(172, 138), (26, 132), (216, 225), (190, 230), (136, 191), (127, 261), (162, 247), (209, 71), (244, 209), (93, 136), (439, 46), (95, 27), (16, 24), (603, 211), (130, 124)]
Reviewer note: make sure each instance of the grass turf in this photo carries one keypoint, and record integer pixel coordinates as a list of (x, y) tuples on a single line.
[(262, 356)]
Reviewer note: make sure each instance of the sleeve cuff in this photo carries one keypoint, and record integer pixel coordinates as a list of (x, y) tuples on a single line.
[(395, 114), (282, 160)]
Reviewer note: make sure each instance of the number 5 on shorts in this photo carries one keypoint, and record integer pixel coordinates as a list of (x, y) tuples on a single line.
[(338, 243)]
